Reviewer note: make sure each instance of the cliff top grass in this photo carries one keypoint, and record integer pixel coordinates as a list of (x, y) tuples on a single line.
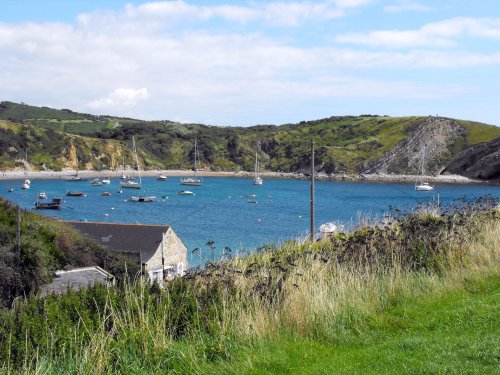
[(417, 294)]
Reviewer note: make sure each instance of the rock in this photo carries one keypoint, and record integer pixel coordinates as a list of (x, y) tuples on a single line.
[(481, 161)]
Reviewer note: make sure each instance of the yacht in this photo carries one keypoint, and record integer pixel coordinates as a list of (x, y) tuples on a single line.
[(161, 177), (106, 181), (96, 182), (130, 183), (193, 181), (421, 185), (257, 180)]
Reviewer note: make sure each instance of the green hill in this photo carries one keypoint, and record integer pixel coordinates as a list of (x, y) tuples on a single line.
[(346, 144)]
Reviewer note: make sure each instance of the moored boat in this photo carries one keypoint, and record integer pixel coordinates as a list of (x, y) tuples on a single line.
[(42, 195), (257, 180), (106, 194), (141, 199), (161, 177), (96, 182), (74, 194), (185, 192), (423, 186), (129, 183), (47, 205), (193, 181), (106, 181)]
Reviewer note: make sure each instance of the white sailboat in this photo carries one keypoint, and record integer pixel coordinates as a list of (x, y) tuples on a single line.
[(421, 185), (257, 180), (27, 183), (193, 181), (123, 176), (130, 183)]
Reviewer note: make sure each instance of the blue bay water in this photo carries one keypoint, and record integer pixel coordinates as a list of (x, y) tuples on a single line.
[(219, 210)]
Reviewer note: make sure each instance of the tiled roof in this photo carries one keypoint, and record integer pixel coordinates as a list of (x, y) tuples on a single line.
[(76, 279), (128, 238)]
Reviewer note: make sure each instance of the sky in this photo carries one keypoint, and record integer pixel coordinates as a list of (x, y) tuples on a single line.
[(241, 63)]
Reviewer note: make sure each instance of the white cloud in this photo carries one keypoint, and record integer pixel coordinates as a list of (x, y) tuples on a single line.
[(112, 61), (407, 6), (120, 98), (436, 34), (166, 14)]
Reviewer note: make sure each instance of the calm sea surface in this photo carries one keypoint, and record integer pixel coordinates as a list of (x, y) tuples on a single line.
[(219, 210)]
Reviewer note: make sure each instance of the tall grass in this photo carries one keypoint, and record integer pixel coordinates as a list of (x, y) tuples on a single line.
[(333, 291)]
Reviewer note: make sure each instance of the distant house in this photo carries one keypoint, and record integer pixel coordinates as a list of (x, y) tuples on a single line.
[(156, 247), (76, 279)]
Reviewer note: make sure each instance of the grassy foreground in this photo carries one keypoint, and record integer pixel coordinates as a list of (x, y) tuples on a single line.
[(417, 295)]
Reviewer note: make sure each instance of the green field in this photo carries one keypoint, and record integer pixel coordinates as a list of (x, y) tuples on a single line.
[(420, 295)]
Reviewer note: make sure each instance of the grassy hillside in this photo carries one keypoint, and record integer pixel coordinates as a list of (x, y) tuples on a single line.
[(417, 295), (46, 246), (344, 144), (53, 150)]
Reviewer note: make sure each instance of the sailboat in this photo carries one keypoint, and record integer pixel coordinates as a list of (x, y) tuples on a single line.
[(123, 176), (76, 177), (27, 182), (421, 185), (257, 180), (130, 182), (193, 181)]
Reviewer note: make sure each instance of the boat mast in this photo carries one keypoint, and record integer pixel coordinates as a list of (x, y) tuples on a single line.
[(256, 166), (195, 154), (136, 159)]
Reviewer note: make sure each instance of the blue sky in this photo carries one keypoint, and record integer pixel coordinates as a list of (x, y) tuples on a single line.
[(253, 62)]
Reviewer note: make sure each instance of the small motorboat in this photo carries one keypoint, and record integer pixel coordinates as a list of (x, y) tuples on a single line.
[(10, 190), (250, 195), (96, 182), (423, 186), (47, 205), (106, 181), (105, 194), (75, 194), (161, 177), (185, 192), (26, 184), (251, 201), (75, 179), (42, 195), (141, 199), (119, 191), (57, 200)]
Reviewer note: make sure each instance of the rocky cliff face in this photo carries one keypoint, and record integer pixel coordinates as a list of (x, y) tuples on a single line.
[(481, 161), (430, 143)]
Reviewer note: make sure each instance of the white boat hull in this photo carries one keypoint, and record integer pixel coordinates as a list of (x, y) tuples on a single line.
[(191, 182), (130, 185), (257, 181), (424, 188)]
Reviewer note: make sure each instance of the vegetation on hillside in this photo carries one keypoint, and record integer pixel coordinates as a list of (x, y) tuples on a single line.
[(344, 144), (418, 292), (46, 245)]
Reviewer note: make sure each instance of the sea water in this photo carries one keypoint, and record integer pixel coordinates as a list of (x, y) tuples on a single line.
[(222, 210)]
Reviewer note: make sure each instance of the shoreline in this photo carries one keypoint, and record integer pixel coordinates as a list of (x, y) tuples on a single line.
[(374, 178)]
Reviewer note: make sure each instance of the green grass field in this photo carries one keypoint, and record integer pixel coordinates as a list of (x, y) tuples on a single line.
[(450, 332)]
